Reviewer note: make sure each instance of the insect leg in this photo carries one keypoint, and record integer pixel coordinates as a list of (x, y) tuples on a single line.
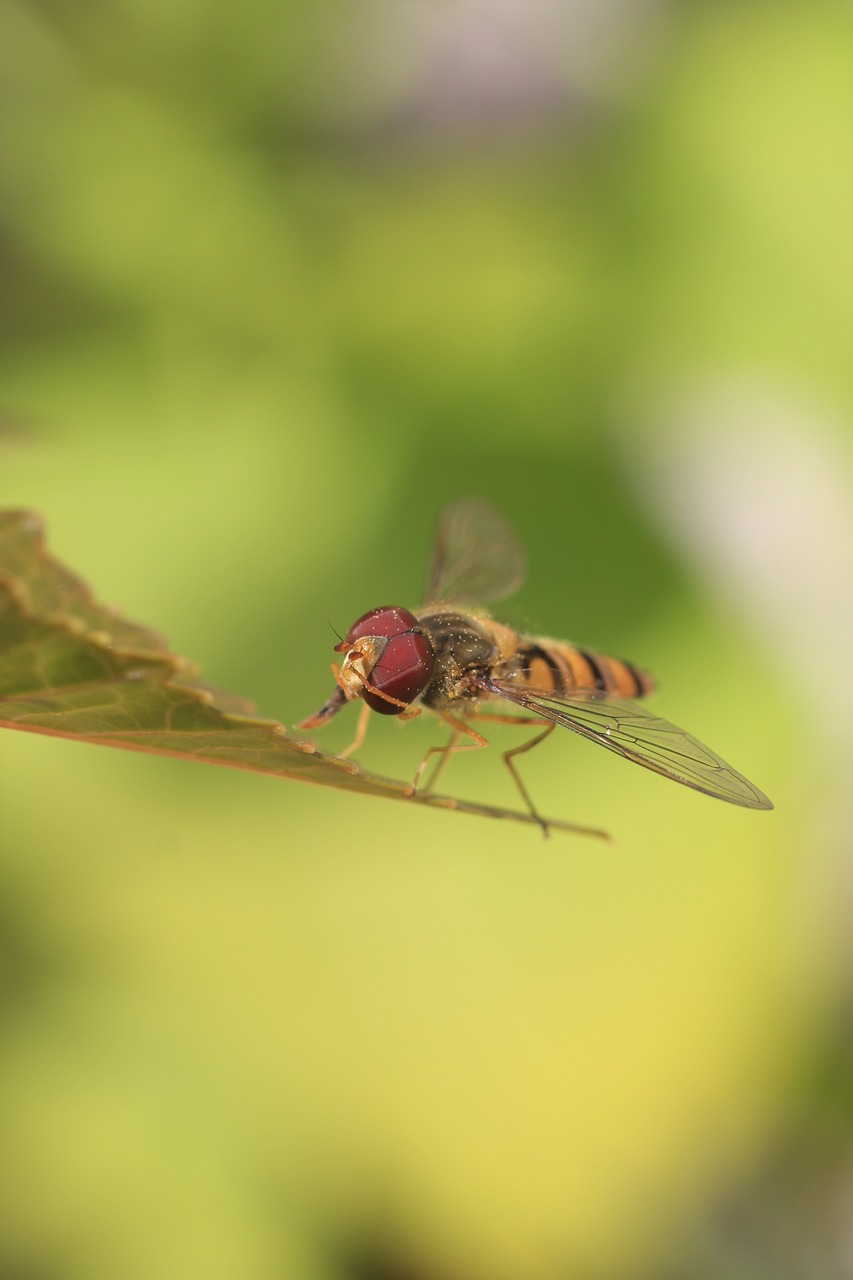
[(443, 754), (517, 751), (525, 746), (459, 728), (361, 729), (499, 719), (360, 732)]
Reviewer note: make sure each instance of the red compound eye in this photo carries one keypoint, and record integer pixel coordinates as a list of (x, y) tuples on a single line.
[(404, 667)]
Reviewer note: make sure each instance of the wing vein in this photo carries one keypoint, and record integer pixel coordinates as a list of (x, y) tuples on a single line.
[(638, 735)]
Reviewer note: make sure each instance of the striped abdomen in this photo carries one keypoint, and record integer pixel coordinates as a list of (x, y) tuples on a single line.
[(559, 667)]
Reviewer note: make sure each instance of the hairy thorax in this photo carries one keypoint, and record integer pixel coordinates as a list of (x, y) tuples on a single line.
[(467, 646)]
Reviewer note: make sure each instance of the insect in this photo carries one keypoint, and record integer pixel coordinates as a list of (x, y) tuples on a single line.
[(454, 659)]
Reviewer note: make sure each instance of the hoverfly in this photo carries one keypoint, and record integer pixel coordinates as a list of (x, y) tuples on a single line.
[(452, 657)]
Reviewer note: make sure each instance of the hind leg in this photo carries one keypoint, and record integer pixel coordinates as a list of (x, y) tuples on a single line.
[(516, 776), (520, 750)]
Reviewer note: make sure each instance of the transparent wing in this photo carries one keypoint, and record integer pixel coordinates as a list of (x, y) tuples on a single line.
[(476, 558), (639, 735)]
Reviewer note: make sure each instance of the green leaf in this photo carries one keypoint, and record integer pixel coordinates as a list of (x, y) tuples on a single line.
[(72, 668)]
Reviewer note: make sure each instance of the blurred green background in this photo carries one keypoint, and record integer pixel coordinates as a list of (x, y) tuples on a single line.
[(278, 281)]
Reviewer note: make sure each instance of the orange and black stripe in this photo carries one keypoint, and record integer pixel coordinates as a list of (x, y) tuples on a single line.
[(561, 667)]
